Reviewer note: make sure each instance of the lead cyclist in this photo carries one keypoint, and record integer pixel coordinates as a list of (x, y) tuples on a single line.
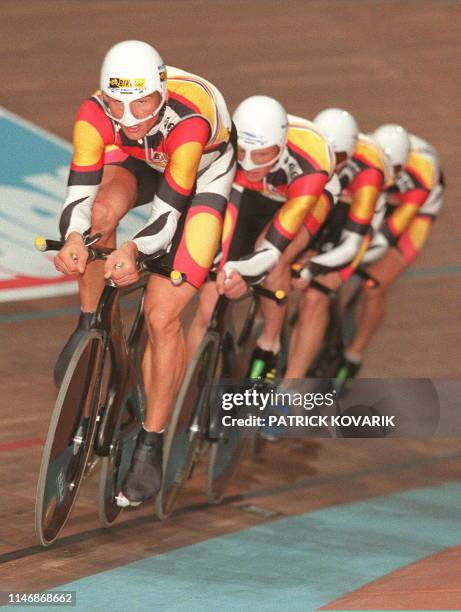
[(159, 135)]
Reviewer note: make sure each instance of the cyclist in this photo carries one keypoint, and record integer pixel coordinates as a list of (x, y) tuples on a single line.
[(413, 203), (284, 168), (342, 240), (347, 226), (151, 134)]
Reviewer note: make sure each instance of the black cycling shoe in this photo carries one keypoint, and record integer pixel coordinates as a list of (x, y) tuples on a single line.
[(84, 323), (263, 365), (144, 477)]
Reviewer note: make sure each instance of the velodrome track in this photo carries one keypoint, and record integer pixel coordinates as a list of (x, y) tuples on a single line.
[(350, 524)]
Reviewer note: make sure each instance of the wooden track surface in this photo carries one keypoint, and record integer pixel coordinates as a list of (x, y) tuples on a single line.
[(384, 61)]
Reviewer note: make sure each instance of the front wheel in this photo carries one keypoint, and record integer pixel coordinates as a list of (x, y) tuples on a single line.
[(70, 438)]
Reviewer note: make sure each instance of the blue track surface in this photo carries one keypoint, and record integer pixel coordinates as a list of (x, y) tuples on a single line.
[(293, 564)]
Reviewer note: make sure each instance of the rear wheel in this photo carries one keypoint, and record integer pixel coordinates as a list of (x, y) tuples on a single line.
[(229, 445), (70, 438), (184, 435), (115, 466), (128, 400)]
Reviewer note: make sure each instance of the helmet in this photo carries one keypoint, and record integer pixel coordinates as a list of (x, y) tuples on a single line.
[(131, 70), (340, 129), (395, 142), (261, 122)]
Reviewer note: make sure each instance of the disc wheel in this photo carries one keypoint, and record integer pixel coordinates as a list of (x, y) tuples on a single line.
[(226, 456), (127, 424), (69, 440), (183, 438)]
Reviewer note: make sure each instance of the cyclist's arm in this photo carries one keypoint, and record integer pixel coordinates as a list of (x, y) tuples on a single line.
[(365, 190), (319, 213), (402, 216), (230, 221), (303, 194), (184, 146), (92, 132)]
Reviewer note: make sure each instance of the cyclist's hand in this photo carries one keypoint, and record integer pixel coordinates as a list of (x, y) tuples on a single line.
[(73, 256), (231, 284), (301, 283), (121, 265)]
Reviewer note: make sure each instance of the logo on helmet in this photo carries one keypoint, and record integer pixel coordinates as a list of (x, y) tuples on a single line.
[(252, 139), (119, 83)]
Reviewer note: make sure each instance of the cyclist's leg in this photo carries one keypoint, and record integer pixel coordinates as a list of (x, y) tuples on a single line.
[(207, 302), (116, 195), (192, 252), (115, 198), (310, 328), (279, 278), (164, 362), (373, 300), (386, 270)]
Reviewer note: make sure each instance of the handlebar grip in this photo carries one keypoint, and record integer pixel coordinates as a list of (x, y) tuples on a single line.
[(177, 277), (295, 270), (370, 281), (42, 244), (278, 296)]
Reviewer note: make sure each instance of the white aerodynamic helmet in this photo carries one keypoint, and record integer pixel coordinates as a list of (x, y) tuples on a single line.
[(131, 70), (340, 129), (395, 141), (261, 122)]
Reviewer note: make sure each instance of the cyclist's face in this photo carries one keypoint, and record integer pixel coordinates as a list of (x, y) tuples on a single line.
[(262, 157), (141, 108), (341, 159)]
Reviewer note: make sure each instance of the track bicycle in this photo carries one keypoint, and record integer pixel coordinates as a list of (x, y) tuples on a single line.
[(99, 407), (195, 426)]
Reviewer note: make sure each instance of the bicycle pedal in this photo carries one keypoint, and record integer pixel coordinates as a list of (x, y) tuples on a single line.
[(124, 502)]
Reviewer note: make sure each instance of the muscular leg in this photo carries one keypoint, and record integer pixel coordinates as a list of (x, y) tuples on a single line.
[(273, 313), (165, 359), (310, 327), (279, 278), (208, 299), (373, 302), (115, 198)]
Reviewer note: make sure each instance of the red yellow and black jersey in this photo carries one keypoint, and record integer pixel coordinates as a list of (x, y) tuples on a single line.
[(192, 132), (297, 180)]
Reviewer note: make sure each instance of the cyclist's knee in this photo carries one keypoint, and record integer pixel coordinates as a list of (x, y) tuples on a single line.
[(314, 302), (375, 293), (162, 322)]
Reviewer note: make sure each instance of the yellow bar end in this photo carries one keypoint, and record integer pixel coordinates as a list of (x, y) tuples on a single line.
[(40, 243)]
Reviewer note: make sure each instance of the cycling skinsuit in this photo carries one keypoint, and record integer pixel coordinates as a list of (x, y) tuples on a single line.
[(187, 162), (341, 236), (298, 180), (415, 201)]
